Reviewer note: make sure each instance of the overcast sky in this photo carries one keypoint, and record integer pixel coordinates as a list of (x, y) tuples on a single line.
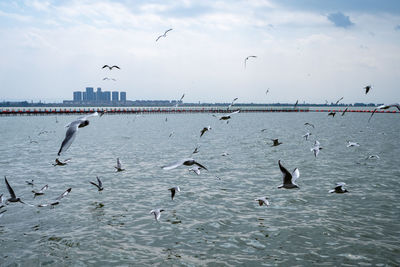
[(311, 50)]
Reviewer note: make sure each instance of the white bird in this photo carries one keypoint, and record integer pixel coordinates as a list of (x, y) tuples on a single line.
[(262, 201), (54, 203), (228, 116), (119, 166), (179, 101), (395, 105), (309, 124), (157, 213), (195, 169), (233, 102), (247, 58), (289, 178), (316, 148), (339, 188), (40, 192), (73, 129), (174, 190), (350, 144), (307, 135), (373, 157), (163, 35), (186, 162), (60, 163)]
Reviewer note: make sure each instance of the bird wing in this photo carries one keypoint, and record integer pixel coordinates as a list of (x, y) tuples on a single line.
[(201, 166), (100, 183), (119, 164), (172, 192), (296, 174), (94, 114), (230, 114), (159, 37), (167, 31), (69, 136), (345, 111), (287, 177), (10, 190), (105, 66), (64, 194), (203, 131), (174, 165), (182, 97), (44, 188), (115, 66), (96, 185), (372, 114)]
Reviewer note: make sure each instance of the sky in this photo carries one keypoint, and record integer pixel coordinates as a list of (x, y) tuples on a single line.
[(307, 50)]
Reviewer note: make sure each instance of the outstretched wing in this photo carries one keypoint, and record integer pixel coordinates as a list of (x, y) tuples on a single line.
[(296, 174), (64, 194), (100, 183), (69, 136), (174, 165), (287, 177), (10, 190), (95, 185)]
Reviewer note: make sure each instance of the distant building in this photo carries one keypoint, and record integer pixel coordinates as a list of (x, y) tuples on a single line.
[(90, 96), (115, 97), (84, 96), (122, 96), (77, 96), (99, 95), (106, 96)]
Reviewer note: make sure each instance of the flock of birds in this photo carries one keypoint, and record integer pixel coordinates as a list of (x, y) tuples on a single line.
[(288, 178)]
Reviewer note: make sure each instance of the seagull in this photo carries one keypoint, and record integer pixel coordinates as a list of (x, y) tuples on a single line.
[(307, 135), (157, 213), (60, 163), (40, 192), (196, 150), (266, 92), (119, 166), (262, 201), (13, 197), (263, 130), (32, 141), (106, 78), (205, 129), (163, 35), (289, 179), (186, 162), (395, 105), (29, 183), (99, 184), (73, 129), (178, 101), (316, 148), (247, 58), (171, 134), (195, 169), (367, 88), (332, 114), (309, 124), (173, 190), (276, 142), (339, 188), (350, 144), (345, 110), (295, 105), (337, 102), (373, 157), (228, 116), (110, 68), (52, 204), (233, 102), (225, 154)]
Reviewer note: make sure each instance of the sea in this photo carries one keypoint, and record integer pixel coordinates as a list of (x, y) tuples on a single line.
[(214, 220)]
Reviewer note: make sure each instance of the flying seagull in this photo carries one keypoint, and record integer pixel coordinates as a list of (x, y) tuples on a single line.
[(72, 131), (339, 188), (262, 201), (367, 88), (196, 150), (373, 157), (205, 129), (186, 162), (316, 148), (332, 114), (276, 142), (54, 203), (99, 184), (110, 67), (395, 105), (163, 35), (29, 182), (157, 213), (40, 192), (173, 190), (307, 135), (266, 92), (228, 116), (309, 124), (233, 102), (247, 58), (13, 197), (178, 101), (289, 178), (350, 144), (106, 78), (195, 169), (345, 110), (337, 102), (60, 163), (295, 105), (119, 166)]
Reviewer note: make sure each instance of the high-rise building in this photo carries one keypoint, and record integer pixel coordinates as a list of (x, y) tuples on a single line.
[(77, 96), (99, 96), (84, 97), (115, 97), (106, 96), (122, 96), (90, 94)]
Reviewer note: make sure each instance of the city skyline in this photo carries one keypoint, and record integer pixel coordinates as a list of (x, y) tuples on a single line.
[(99, 97), (309, 50)]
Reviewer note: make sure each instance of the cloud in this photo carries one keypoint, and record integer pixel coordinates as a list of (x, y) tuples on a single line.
[(340, 20)]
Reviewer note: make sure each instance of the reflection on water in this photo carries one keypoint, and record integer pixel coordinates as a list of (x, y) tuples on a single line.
[(214, 219)]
